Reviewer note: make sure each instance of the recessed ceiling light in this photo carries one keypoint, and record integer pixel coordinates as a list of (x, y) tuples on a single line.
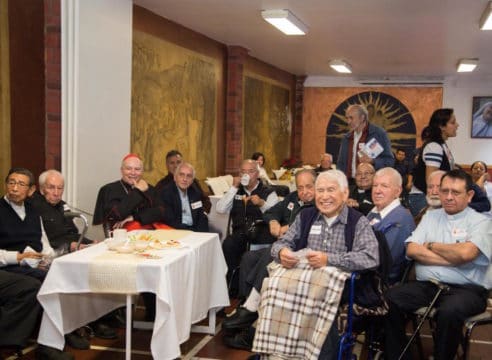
[(486, 19), (285, 21), (467, 65), (341, 66)]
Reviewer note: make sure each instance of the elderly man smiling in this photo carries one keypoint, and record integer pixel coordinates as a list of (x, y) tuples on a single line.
[(322, 234)]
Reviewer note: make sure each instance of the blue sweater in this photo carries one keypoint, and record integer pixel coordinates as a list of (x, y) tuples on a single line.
[(396, 226)]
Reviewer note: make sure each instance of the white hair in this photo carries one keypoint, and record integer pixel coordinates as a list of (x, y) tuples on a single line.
[(333, 175), (44, 176)]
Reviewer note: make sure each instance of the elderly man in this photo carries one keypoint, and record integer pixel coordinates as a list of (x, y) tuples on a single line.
[(352, 149), (360, 196), (253, 269), (391, 218), (62, 235), (246, 201), (453, 246), (337, 238), (183, 204), (128, 200), (23, 243), (61, 230), (173, 159), (325, 163)]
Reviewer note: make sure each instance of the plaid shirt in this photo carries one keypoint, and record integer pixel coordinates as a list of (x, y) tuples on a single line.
[(331, 239)]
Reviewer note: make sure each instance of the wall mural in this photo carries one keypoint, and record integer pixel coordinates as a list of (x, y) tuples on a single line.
[(385, 111), (267, 121), (174, 105)]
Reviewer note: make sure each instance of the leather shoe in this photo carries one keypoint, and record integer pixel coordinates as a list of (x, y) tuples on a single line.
[(241, 319), (77, 341), (48, 353), (103, 331), (242, 340)]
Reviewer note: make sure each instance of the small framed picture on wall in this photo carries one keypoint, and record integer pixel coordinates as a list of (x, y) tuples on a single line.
[(481, 117)]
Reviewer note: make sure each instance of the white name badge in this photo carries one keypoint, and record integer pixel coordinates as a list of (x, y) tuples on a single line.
[(315, 230), (290, 206), (238, 197), (458, 234), (196, 205)]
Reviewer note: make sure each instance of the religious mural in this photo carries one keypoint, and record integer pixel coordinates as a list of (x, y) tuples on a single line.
[(267, 121), (174, 105), (385, 111)]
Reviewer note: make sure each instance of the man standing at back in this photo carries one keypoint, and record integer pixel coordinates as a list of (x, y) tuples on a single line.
[(353, 143)]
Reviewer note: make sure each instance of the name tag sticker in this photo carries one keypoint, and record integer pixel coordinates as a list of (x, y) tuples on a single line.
[(290, 206), (238, 197), (315, 230), (196, 205), (458, 234)]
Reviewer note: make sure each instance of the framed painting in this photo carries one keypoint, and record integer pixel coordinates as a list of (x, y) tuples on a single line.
[(481, 117)]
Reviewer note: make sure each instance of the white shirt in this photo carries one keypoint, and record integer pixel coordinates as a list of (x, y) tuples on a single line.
[(224, 205), (8, 257)]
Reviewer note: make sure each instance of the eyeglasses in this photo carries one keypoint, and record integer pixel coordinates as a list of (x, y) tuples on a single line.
[(12, 183), (454, 193)]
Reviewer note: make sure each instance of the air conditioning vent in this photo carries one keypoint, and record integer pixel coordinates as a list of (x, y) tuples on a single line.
[(402, 81)]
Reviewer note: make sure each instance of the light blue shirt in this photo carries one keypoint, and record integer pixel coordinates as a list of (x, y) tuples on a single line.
[(468, 225), (186, 217)]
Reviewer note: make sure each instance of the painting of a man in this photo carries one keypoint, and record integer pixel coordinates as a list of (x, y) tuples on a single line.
[(482, 120)]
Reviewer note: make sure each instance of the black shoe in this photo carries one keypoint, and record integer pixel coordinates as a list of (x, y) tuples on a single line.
[(44, 352), (241, 319), (254, 357), (116, 318), (242, 340), (103, 331), (77, 341)]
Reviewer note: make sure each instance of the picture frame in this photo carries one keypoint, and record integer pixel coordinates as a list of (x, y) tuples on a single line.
[(481, 122)]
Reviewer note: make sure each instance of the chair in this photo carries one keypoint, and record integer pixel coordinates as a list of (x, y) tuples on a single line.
[(470, 323)]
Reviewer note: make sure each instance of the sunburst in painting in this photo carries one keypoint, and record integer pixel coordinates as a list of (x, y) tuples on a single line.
[(384, 110)]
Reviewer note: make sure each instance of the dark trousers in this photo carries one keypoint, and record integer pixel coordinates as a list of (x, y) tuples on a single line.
[(234, 246), (36, 273), (253, 270), (19, 308), (453, 307)]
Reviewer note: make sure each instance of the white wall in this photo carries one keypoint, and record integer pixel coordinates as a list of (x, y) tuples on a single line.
[(96, 95), (458, 92)]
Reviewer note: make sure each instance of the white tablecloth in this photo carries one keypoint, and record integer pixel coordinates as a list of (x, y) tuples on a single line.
[(187, 283)]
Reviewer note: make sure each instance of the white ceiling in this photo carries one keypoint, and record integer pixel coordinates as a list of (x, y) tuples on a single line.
[(405, 38)]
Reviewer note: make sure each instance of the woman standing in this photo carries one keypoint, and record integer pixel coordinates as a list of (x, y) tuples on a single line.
[(435, 154)]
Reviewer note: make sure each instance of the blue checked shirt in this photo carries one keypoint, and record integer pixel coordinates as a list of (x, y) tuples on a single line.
[(331, 239)]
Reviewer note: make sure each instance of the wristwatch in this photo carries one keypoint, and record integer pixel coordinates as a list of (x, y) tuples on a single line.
[(429, 245)]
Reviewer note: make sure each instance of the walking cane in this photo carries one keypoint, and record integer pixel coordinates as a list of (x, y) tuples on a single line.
[(440, 289)]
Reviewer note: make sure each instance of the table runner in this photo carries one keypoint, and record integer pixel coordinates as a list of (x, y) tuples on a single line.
[(112, 272)]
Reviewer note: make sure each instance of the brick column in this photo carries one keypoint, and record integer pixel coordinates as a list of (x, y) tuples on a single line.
[(236, 56), (297, 123), (52, 42)]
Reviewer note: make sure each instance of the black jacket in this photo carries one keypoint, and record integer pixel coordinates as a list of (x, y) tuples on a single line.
[(169, 196)]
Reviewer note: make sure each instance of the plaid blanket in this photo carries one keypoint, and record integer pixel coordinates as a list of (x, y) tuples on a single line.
[(297, 309)]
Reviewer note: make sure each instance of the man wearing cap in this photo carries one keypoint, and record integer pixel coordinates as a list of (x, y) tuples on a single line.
[(128, 200)]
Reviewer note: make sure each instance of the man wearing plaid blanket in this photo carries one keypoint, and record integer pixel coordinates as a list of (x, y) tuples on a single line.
[(300, 298)]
